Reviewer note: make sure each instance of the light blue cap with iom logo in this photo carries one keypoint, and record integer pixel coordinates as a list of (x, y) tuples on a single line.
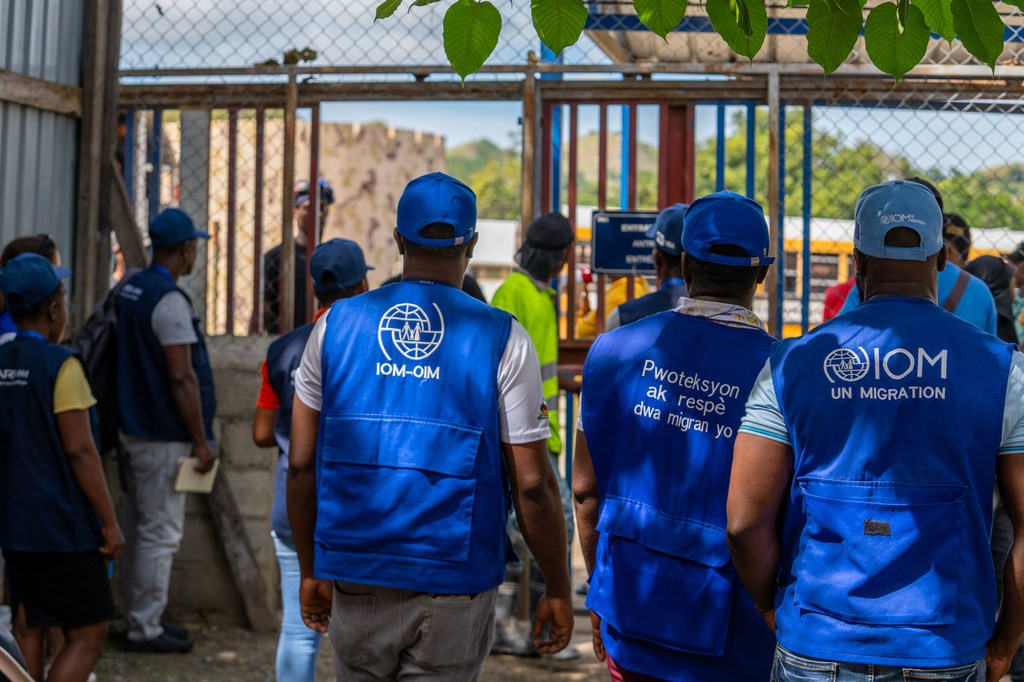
[(897, 203), (437, 198)]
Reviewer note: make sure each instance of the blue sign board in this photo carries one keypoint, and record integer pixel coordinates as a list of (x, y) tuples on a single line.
[(620, 246)]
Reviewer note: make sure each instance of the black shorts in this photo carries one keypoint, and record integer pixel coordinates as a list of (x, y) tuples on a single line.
[(60, 589)]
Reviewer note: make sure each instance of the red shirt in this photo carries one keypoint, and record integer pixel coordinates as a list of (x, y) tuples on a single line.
[(268, 398)]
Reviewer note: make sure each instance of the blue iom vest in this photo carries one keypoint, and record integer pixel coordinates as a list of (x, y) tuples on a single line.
[(665, 298), (147, 406), (42, 507), (411, 484), (283, 357), (895, 414), (663, 398)]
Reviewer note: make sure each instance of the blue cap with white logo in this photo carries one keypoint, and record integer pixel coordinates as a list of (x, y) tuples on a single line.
[(897, 203), (173, 226), (667, 230), (28, 279), (727, 218), (437, 198), (337, 264)]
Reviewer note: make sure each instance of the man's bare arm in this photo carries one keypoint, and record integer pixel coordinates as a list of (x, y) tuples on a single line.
[(263, 427), (586, 500), (539, 510), (1006, 637), (761, 473)]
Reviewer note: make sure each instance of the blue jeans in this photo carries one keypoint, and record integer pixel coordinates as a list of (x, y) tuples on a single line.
[(298, 645), (790, 667)]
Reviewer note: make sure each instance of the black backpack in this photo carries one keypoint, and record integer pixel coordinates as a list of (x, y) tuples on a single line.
[(96, 342)]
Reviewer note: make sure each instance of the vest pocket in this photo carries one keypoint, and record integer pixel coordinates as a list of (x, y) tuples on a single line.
[(402, 487), (881, 553), (664, 579)]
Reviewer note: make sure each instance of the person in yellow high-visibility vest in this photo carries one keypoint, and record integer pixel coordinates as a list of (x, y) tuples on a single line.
[(528, 295)]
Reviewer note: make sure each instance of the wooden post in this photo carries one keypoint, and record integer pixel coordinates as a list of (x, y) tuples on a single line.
[(286, 283), (529, 124), (122, 221), (240, 556)]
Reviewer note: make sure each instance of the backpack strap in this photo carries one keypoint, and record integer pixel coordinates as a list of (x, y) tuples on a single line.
[(957, 293)]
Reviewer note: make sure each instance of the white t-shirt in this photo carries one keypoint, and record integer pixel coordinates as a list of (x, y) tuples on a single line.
[(172, 320), (520, 394)]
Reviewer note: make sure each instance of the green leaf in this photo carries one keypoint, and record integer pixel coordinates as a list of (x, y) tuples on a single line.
[(424, 3), (797, 3), (896, 47), (470, 34), (741, 23), (939, 17), (980, 29), (832, 29), (387, 8), (661, 16), (1019, 4), (559, 23)]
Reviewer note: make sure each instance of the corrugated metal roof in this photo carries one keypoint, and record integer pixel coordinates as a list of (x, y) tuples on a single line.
[(38, 149)]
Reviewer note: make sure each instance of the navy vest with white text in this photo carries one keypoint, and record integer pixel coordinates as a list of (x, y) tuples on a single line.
[(895, 414), (411, 484), (42, 508), (665, 298), (283, 357), (147, 405), (662, 400)]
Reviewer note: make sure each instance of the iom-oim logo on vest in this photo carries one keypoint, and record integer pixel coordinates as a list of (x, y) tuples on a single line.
[(407, 328)]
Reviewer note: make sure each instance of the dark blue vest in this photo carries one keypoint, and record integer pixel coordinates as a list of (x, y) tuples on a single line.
[(663, 398), (283, 358), (42, 508), (148, 409), (665, 298), (895, 414), (412, 487), (7, 323)]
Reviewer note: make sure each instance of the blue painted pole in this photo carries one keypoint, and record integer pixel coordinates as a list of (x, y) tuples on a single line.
[(805, 293), (624, 161), (720, 148), (780, 247), (549, 57), (154, 160), (751, 149)]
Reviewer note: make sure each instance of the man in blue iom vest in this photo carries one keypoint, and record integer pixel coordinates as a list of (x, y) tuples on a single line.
[(662, 399), (419, 419), (338, 269), (860, 505), (165, 392), (667, 233)]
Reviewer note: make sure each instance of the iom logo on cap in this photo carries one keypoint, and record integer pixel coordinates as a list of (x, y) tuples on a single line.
[(407, 328)]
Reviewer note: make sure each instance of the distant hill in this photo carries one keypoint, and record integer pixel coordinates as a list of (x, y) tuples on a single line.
[(467, 159)]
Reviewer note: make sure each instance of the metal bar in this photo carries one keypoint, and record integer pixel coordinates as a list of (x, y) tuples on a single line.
[(129, 138), (602, 158), (232, 218), (805, 289), (780, 236), (632, 189), (571, 187), (774, 276), (313, 224), (664, 146), (602, 285), (624, 153), (719, 147), (689, 155), (286, 283), (676, 154), (556, 158), (257, 221), (545, 153), (751, 149), (155, 161)]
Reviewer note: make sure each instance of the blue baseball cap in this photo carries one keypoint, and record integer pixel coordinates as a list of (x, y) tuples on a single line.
[(337, 264), (28, 279), (727, 218), (897, 203), (437, 198), (667, 230), (173, 226)]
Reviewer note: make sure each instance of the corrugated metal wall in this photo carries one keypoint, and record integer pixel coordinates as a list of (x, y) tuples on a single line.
[(38, 149)]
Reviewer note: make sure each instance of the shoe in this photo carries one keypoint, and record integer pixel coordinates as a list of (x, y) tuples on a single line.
[(569, 653), (583, 589), (176, 631), (163, 644)]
